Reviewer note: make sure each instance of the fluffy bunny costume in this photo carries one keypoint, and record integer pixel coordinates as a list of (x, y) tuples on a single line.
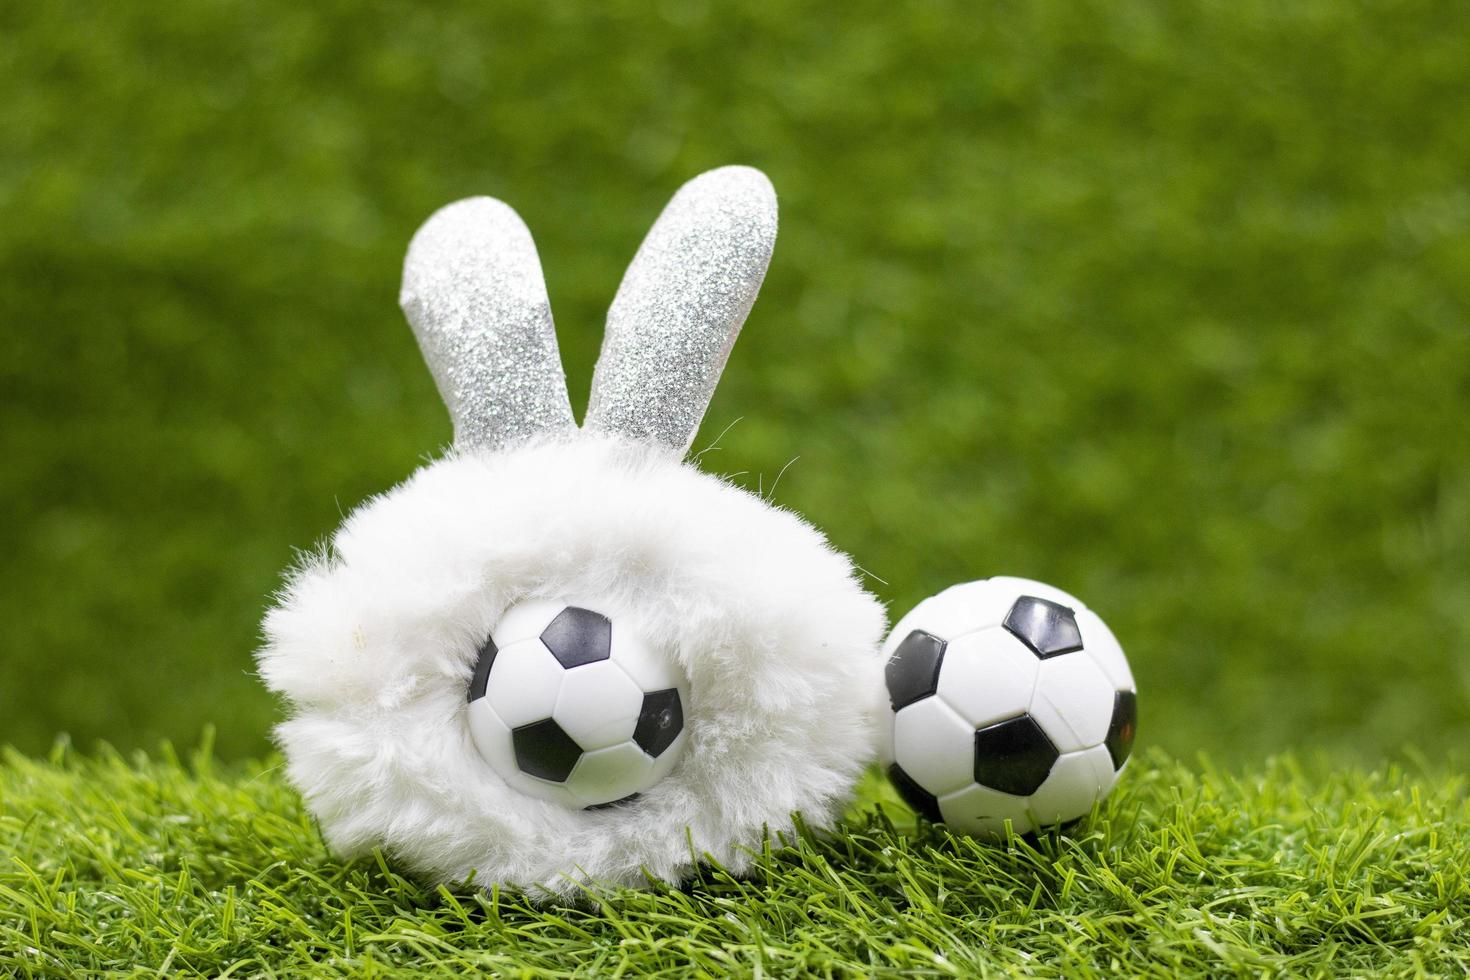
[(373, 642)]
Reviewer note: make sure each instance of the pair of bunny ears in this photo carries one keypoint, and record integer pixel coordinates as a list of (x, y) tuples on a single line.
[(475, 297)]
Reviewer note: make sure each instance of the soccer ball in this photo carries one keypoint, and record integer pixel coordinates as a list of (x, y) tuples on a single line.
[(567, 706), (1012, 701)]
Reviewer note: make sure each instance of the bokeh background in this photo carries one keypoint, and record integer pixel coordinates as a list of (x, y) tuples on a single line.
[(1166, 304)]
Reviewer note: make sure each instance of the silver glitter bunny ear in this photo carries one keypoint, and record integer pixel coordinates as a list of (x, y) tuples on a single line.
[(681, 306), (474, 295)]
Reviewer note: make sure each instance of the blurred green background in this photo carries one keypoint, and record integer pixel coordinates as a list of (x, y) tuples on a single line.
[(1167, 305)]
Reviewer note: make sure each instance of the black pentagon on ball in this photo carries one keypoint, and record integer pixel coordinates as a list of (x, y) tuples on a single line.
[(916, 796), (545, 751), (1013, 756), (610, 804), (1048, 628), (1122, 728), (481, 677), (578, 636), (660, 721), (912, 672)]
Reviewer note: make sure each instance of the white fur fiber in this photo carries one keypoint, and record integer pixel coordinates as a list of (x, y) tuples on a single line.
[(373, 644)]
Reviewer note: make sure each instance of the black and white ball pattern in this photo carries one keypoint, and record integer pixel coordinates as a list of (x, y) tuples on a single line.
[(569, 706), (1011, 701)]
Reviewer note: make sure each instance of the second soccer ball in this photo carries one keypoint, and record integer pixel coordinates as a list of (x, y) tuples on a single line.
[(1012, 701)]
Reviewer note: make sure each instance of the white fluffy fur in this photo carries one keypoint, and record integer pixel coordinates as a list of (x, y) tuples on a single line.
[(374, 643)]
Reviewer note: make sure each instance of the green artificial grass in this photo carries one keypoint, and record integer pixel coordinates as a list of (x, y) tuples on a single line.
[(153, 865)]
